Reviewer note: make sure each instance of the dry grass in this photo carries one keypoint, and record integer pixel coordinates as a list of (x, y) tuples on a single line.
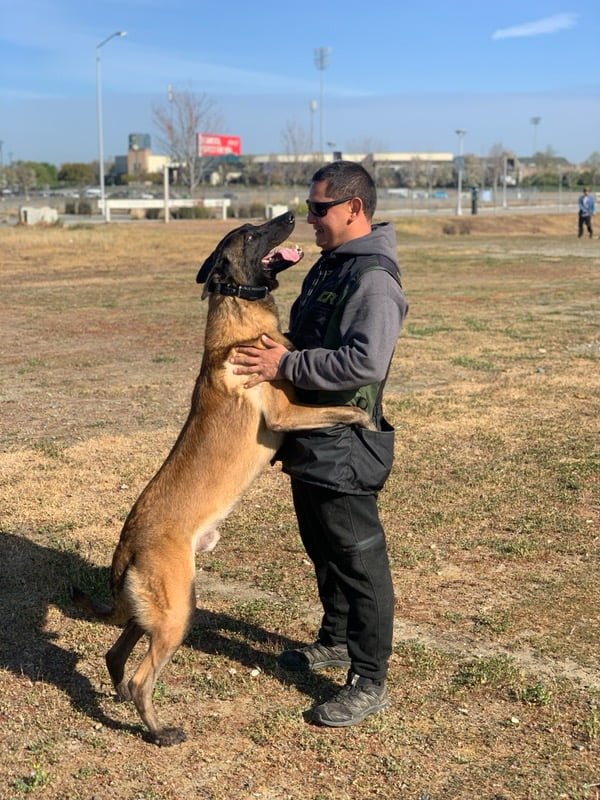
[(491, 514)]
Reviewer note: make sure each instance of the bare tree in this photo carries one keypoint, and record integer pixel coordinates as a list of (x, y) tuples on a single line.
[(179, 121), (366, 145), (23, 176), (296, 144), (496, 165)]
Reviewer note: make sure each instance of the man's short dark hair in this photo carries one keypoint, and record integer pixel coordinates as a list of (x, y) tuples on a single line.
[(349, 178)]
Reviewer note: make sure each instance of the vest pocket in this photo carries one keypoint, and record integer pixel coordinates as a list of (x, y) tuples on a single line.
[(372, 456), (342, 458), (319, 456)]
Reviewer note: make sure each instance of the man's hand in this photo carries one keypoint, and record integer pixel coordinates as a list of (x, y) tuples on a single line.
[(262, 365)]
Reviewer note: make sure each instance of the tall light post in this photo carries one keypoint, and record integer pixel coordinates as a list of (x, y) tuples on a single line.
[(99, 118), (321, 60), (312, 107), (461, 133), (535, 121)]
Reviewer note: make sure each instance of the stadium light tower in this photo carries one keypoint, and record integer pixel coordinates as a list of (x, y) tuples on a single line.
[(312, 107), (535, 121), (99, 117), (321, 60), (461, 133)]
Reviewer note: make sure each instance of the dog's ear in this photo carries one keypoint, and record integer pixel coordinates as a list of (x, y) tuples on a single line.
[(207, 271)]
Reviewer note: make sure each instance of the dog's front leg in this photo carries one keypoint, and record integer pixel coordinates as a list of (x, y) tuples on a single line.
[(281, 413)]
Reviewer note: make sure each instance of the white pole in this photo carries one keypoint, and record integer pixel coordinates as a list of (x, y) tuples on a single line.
[(504, 182), (321, 60), (99, 120), (460, 133), (313, 105), (166, 191)]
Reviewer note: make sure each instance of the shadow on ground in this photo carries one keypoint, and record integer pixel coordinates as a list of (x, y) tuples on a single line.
[(37, 576)]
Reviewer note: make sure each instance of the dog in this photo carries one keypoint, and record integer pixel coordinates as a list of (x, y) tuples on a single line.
[(230, 435)]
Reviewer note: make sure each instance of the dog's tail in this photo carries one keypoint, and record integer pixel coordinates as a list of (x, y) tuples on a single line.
[(91, 606)]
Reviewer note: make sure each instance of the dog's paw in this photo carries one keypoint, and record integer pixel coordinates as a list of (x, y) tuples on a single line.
[(123, 695), (167, 737), (365, 421)]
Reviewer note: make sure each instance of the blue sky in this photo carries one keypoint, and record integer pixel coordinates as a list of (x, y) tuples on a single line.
[(398, 78)]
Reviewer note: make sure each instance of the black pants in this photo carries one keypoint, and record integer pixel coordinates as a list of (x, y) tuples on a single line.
[(585, 219), (344, 539)]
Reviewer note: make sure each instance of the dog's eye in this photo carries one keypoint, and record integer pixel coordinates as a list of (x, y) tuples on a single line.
[(249, 237)]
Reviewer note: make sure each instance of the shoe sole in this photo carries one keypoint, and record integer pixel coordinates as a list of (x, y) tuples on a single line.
[(318, 720), (317, 665)]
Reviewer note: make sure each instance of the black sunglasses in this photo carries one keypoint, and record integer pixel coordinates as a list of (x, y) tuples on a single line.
[(320, 209)]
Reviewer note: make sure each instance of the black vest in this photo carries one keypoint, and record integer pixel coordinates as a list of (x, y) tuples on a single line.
[(316, 315), (343, 458)]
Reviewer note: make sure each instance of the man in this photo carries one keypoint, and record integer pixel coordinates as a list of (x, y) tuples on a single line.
[(344, 326), (587, 208)]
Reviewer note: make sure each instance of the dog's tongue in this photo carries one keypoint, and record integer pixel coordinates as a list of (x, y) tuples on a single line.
[(281, 258)]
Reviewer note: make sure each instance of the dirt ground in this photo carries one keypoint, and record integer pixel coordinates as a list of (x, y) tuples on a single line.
[(491, 514)]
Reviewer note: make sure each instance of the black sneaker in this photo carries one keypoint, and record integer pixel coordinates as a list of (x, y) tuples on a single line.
[(355, 701), (314, 656)]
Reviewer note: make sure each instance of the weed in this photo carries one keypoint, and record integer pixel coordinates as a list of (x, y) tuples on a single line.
[(519, 547), (496, 671), (49, 449), (517, 335), (36, 779), (473, 363), (453, 616), (535, 695), (429, 330), (218, 685), (159, 692), (421, 660), (591, 725), (163, 359), (497, 622), (476, 324), (31, 365)]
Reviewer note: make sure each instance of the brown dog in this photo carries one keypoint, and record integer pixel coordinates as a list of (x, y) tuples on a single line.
[(230, 435)]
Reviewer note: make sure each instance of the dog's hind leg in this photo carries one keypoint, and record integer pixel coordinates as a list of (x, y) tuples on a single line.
[(118, 654), (163, 643)]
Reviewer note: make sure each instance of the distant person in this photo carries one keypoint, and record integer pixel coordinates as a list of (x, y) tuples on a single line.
[(587, 207)]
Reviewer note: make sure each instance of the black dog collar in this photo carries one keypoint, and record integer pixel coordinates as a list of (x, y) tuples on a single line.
[(244, 292)]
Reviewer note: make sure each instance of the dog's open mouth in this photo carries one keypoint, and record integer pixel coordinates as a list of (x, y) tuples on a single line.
[(280, 258)]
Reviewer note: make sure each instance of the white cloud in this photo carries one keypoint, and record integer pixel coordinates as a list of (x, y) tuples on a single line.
[(539, 27)]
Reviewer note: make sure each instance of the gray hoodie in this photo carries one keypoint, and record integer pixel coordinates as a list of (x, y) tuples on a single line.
[(370, 325)]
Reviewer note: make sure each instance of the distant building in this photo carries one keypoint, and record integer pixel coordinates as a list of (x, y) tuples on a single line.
[(140, 160), (377, 159)]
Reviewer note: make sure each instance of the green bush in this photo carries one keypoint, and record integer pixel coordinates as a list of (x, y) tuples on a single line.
[(194, 212), (78, 207), (251, 211)]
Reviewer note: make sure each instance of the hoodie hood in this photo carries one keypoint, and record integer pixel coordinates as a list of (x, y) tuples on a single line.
[(380, 241)]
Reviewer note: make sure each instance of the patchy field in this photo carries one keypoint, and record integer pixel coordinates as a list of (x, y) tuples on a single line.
[(491, 512)]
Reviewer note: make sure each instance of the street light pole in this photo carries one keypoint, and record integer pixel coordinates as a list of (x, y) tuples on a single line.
[(460, 132), (99, 118), (535, 121), (321, 60), (313, 105)]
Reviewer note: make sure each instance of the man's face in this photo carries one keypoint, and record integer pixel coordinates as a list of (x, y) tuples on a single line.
[(334, 228)]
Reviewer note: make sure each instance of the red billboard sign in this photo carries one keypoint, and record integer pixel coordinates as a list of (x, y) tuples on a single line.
[(217, 144)]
